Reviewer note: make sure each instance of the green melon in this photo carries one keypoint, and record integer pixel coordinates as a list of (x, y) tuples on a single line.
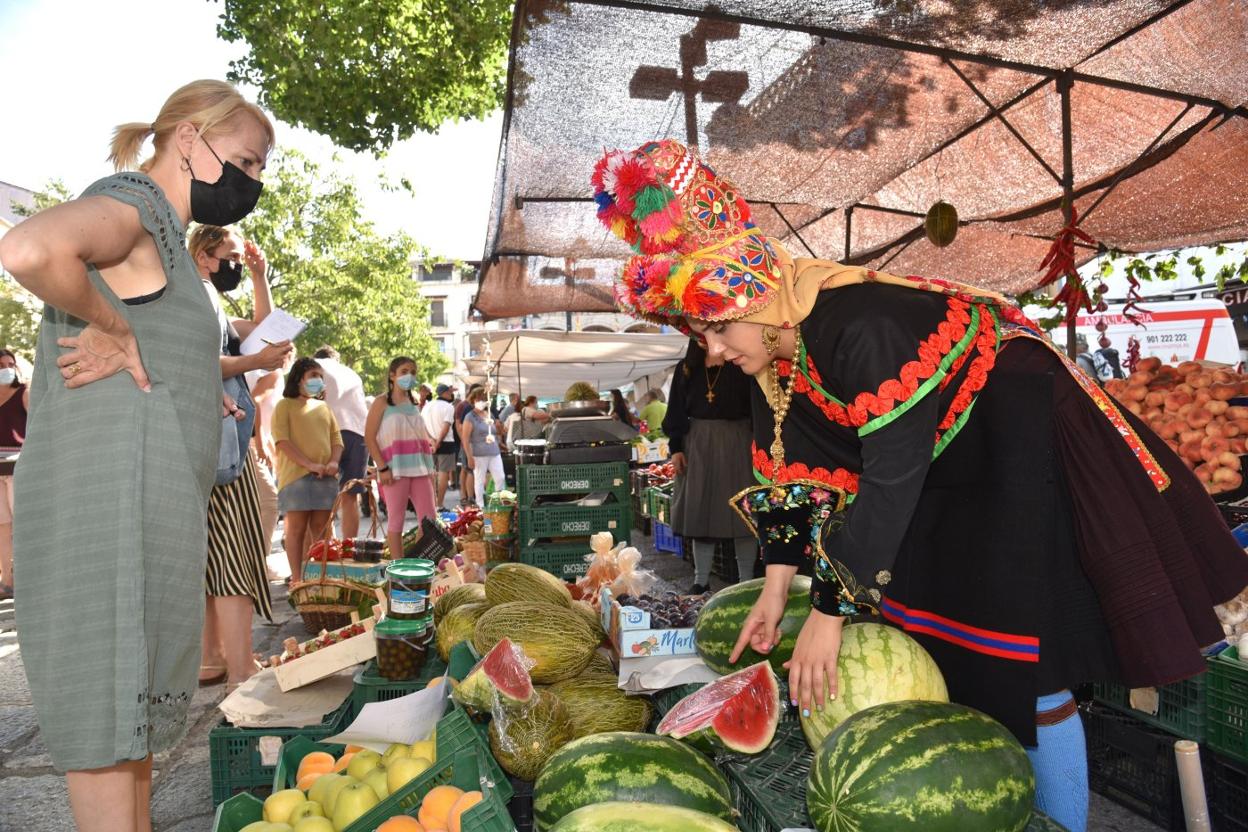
[(510, 582), (920, 767), (640, 817), (623, 766), (556, 639), (600, 663), (941, 224), (877, 664), (597, 705), (592, 618), (460, 595), (457, 625), (719, 625), (522, 737)]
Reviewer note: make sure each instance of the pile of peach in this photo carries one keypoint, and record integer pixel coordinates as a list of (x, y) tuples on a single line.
[(1189, 407)]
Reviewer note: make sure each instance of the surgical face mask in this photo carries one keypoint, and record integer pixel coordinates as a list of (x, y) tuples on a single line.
[(227, 276), (8, 375), (314, 386), (406, 381), (481, 405), (226, 201)]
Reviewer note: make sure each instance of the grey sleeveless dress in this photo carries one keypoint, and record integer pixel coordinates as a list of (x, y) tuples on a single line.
[(111, 495)]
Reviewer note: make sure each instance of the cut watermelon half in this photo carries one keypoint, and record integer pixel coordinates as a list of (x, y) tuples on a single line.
[(739, 712), (502, 674)]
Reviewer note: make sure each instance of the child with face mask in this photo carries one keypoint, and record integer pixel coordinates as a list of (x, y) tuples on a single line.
[(483, 444), (398, 440), (309, 446)]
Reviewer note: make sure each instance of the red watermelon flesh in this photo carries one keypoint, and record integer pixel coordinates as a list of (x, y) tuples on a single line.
[(739, 712), (503, 672)]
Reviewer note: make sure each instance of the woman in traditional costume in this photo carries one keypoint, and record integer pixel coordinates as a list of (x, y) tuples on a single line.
[(941, 463)]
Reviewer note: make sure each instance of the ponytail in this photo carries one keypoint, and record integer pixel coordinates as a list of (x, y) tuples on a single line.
[(127, 142)]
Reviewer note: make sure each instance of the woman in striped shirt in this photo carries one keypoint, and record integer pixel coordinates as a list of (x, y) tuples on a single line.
[(400, 443)]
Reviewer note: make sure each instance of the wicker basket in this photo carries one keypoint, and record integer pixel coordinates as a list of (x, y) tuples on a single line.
[(498, 521), (327, 603), (474, 551)]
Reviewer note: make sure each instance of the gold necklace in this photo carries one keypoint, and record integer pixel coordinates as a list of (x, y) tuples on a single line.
[(780, 408), (710, 385)]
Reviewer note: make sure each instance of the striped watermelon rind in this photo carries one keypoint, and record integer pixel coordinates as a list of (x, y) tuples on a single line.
[(618, 816), (720, 620), (877, 664), (738, 712), (628, 766), (929, 766)]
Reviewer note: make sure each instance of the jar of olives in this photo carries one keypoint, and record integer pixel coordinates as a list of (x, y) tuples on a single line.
[(409, 584), (401, 648)]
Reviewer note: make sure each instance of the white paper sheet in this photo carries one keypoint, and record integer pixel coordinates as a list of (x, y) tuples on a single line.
[(661, 672), (259, 703), (278, 325), (407, 719)]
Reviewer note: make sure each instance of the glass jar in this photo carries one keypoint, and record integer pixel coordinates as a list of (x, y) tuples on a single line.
[(401, 648), (409, 584), (366, 550)]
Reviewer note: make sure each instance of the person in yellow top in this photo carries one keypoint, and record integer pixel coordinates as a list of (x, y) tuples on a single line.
[(309, 446), (653, 409)]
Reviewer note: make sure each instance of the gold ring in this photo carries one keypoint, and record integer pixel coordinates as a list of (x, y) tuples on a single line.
[(74, 369)]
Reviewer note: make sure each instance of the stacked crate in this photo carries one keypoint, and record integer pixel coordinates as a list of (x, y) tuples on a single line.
[(554, 530)]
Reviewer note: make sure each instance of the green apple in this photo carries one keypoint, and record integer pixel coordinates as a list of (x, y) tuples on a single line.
[(314, 825), (279, 805), (306, 809), (377, 779), (353, 803), (362, 763), (394, 752), (425, 748), (403, 771), (317, 793), (258, 826), (331, 794)]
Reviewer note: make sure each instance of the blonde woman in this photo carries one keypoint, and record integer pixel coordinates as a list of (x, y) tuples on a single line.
[(121, 447)]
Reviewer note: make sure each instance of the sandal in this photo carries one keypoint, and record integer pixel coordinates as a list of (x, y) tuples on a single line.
[(218, 673)]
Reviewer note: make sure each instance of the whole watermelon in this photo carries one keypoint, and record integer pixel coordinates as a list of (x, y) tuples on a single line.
[(640, 817), (1044, 823), (719, 625), (623, 766), (523, 736), (559, 641), (877, 664), (597, 705), (460, 595), (457, 625), (920, 767), (520, 582)]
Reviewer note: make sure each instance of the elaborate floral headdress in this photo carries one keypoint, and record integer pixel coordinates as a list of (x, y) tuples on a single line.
[(698, 253)]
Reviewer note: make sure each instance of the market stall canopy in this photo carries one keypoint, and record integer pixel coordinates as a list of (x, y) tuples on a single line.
[(843, 121), (545, 364)]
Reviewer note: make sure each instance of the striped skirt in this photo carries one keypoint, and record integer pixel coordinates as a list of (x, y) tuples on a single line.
[(236, 545)]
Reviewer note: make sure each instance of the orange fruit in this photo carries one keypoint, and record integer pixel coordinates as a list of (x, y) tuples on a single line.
[(437, 680), (437, 805), (351, 749), (466, 801), (343, 762), (401, 823), (314, 762), (307, 780)]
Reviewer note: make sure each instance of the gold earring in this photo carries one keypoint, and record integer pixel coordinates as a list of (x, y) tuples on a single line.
[(771, 339)]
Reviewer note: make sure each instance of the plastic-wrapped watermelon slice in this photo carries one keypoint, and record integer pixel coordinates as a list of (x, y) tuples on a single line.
[(739, 712)]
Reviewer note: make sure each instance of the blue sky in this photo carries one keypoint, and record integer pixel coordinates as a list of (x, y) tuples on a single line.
[(71, 70)]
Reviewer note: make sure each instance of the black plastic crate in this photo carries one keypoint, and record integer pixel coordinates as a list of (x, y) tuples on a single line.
[(521, 805), (1228, 804), (1132, 763)]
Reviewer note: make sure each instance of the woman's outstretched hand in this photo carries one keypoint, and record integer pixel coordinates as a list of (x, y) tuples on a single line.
[(812, 669)]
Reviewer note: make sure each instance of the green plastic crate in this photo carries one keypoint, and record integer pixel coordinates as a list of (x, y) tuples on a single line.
[(234, 753), (462, 770), (371, 686), (551, 480), (1226, 699), (555, 521), (661, 505), (565, 560), (456, 733), (1181, 707), (769, 789)]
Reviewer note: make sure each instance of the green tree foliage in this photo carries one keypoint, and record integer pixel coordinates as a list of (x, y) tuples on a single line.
[(331, 268), (20, 311), (368, 74)]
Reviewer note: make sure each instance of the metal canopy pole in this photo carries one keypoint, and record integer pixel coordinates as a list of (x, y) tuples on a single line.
[(1064, 84), (849, 222)]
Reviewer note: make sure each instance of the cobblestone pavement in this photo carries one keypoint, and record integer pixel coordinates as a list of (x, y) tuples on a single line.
[(33, 796)]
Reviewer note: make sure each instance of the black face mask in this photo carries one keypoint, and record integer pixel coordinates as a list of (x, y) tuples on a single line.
[(227, 200), (227, 276)]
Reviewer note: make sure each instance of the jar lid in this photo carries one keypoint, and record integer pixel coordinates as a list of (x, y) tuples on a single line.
[(400, 627), (411, 569)]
